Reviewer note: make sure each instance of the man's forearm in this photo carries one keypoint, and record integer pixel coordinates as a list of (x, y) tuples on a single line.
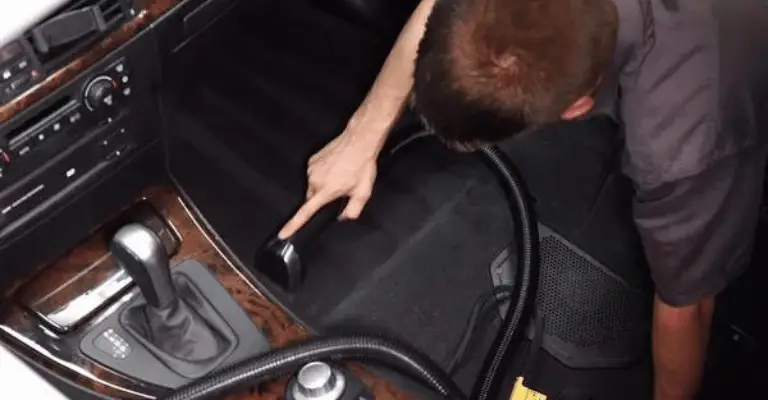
[(680, 339), (385, 101)]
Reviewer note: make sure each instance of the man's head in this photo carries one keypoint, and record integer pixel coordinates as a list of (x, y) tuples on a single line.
[(489, 69)]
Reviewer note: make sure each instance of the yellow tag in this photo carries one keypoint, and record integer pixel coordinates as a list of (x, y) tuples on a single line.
[(520, 392)]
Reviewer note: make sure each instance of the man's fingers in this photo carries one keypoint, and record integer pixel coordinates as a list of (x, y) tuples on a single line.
[(356, 203), (304, 214), (354, 208)]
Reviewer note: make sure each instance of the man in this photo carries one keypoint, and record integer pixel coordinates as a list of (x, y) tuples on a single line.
[(686, 80)]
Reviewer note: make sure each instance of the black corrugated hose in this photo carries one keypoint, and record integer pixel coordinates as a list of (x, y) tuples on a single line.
[(397, 355), (527, 241), (287, 360)]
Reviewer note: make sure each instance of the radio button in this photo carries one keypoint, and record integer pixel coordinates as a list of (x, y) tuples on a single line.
[(75, 117), (23, 150), (22, 65)]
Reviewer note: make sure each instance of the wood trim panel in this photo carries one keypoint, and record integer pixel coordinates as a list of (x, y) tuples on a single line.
[(23, 332)]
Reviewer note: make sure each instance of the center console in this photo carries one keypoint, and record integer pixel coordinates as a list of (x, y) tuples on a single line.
[(82, 319), (75, 143), (113, 285)]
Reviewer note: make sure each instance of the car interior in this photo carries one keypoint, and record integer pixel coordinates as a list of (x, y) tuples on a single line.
[(150, 150)]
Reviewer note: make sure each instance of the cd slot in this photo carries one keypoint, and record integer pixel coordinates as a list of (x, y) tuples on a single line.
[(21, 134)]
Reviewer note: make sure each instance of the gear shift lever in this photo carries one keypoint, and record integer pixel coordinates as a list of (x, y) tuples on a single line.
[(144, 257), (172, 322)]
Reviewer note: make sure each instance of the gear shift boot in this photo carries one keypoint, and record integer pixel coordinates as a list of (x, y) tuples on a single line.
[(122, 341), (188, 336), (177, 326)]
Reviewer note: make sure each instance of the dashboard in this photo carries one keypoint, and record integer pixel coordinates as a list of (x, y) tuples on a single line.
[(52, 66), (80, 126)]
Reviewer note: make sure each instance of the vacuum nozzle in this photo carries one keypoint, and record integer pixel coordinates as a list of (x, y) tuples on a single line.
[(283, 260)]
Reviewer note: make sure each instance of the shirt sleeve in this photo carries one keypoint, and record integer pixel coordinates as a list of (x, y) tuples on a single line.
[(698, 186), (697, 232)]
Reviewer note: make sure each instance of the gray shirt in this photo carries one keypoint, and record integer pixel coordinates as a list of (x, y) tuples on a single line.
[(690, 89)]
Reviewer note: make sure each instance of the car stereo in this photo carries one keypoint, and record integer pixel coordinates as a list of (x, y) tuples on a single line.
[(74, 134)]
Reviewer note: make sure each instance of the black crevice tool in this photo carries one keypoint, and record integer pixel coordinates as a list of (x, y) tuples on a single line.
[(281, 259), (284, 260)]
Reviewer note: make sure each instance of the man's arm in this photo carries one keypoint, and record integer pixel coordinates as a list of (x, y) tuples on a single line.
[(698, 181), (697, 233), (346, 167), (384, 103), (680, 339)]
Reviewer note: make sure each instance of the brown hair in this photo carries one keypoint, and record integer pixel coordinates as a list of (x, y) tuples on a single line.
[(489, 69)]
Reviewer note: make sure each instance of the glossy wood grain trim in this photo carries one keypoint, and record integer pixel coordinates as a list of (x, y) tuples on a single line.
[(147, 12), (78, 284), (58, 352)]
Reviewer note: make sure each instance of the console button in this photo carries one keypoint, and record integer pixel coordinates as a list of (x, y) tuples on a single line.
[(318, 380), (17, 83), (21, 65), (113, 344), (74, 117), (23, 150)]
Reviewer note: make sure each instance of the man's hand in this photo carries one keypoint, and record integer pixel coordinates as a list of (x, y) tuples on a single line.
[(345, 167)]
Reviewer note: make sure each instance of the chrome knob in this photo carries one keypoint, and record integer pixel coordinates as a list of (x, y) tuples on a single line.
[(318, 381)]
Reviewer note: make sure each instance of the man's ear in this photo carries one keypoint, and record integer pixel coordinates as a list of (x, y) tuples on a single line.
[(579, 108)]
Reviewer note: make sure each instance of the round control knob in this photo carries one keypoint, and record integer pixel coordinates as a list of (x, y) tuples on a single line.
[(100, 93), (318, 381)]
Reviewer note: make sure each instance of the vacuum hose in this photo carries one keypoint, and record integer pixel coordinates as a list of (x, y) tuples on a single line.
[(287, 360), (527, 241), (394, 354)]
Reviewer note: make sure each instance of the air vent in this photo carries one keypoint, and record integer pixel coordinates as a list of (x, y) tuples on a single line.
[(112, 12)]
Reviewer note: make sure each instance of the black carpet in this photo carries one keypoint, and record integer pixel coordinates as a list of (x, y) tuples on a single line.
[(253, 98)]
